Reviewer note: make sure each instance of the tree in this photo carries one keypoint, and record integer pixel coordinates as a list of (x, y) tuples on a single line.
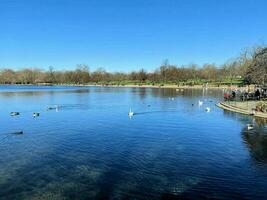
[(82, 74), (51, 75), (257, 69), (100, 75), (209, 72), (141, 75), (8, 76), (28, 75)]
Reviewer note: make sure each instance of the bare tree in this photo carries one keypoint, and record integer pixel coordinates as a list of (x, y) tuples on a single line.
[(257, 69)]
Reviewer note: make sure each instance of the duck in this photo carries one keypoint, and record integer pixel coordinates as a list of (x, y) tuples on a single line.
[(207, 109), (55, 107), (130, 113), (200, 103), (18, 133), (50, 108), (250, 126), (36, 114), (14, 113)]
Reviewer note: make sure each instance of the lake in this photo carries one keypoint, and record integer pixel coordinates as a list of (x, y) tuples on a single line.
[(89, 148)]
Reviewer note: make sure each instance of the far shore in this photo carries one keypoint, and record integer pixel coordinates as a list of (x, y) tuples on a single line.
[(232, 87)]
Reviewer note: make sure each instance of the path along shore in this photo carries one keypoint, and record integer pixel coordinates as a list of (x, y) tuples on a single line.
[(246, 108)]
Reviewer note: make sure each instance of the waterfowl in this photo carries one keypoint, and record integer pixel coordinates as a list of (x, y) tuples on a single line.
[(250, 126), (253, 112), (200, 103), (18, 133), (207, 109), (14, 113), (50, 108), (36, 114), (55, 107), (130, 113)]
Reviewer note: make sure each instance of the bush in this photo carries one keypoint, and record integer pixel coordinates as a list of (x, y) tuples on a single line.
[(261, 106)]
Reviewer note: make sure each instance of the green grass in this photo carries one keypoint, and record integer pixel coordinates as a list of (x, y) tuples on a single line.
[(194, 82)]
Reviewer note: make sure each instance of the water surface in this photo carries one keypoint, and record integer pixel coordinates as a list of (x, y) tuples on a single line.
[(89, 148)]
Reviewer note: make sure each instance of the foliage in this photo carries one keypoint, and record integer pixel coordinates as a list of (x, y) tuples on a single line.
[(257, 69), (250, 65), (261, 106)]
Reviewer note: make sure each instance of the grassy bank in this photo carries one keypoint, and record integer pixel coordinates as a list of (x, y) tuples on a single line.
[(197, 83)]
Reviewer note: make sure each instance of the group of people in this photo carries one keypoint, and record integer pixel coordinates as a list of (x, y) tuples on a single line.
[(244, 95)]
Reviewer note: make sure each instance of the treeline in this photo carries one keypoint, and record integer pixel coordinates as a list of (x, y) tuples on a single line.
[(249, 67)]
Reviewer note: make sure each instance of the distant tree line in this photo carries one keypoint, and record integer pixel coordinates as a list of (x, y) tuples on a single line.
[(249, 67)]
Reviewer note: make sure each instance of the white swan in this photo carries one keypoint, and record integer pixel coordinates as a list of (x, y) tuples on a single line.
[(130, 113), (250, 126), (200, 103), (207, 109)]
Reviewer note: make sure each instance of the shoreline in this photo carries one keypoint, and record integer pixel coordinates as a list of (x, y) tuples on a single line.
[(233, 87), (242, 108)]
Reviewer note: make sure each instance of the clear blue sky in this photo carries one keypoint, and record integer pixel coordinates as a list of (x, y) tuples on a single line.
[(122, 35)]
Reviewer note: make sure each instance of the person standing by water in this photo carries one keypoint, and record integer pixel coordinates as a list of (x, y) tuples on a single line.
[(257, 94), (233, 94)]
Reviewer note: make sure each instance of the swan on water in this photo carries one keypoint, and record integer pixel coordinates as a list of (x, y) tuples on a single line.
[(250, 126), (200, 103), (130, 113), (207, 109)]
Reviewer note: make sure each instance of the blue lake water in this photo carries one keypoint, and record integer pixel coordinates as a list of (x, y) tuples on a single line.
[(89, 148)]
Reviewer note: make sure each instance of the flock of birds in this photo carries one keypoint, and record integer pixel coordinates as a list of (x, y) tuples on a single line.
[(37, 114), (130, 113), (34, 114), (200, 103)]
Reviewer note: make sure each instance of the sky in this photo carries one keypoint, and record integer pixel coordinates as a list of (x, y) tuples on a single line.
[(126, 35)]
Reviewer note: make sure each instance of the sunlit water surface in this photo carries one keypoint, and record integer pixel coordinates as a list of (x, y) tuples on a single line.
[(89, 148)]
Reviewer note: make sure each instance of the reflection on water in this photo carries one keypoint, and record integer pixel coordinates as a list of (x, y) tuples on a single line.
[(256, 140), (90, 149), (260, 121)]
